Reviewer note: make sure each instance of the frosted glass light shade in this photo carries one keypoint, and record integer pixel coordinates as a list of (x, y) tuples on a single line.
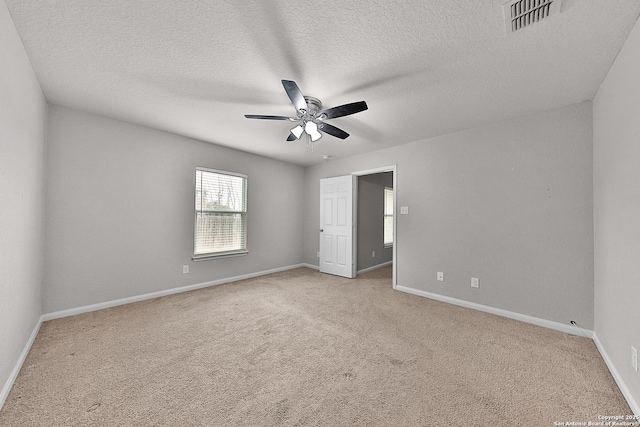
[(312, 129), (297, 131)]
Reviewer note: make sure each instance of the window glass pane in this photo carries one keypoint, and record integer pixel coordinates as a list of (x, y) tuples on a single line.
[(388, 201), (218, 192), (220, 213), (388, 216), (216, 232), (388, 230)]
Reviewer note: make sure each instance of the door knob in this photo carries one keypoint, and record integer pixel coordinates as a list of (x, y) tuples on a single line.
[(321, 230)]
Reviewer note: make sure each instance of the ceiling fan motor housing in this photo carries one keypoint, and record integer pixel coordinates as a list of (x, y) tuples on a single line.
[(314, 107)]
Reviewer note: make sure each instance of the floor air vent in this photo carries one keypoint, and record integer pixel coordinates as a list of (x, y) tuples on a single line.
[(520, 14)]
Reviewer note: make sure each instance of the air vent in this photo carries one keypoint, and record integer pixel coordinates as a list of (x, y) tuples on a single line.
[(520, 14)]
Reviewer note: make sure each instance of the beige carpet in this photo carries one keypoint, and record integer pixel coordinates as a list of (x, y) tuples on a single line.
[(303, 348)]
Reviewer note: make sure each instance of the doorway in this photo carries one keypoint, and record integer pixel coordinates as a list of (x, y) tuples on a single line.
[(343, 250), (375, 237)]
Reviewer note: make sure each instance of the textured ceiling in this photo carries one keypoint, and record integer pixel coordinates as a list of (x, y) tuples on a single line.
[(425, 68)]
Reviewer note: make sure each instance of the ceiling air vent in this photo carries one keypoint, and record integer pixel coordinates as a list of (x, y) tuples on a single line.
[(520, 14)]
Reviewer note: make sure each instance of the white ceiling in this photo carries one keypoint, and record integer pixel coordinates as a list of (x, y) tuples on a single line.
[(425, 68)]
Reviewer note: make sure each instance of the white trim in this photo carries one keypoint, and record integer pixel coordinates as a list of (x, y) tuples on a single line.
[(355, 205), (221, 172), (375, 170), (568, 329), (158, 294), (635, 407), (375, 267), (214, 256), (394, 272), (16, 369), (311, 266)]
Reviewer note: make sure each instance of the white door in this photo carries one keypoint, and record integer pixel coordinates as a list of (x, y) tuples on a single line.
[(336, 226)]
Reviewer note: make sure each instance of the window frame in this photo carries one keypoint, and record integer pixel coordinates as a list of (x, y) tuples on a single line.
[(243, 214), (385, 216)]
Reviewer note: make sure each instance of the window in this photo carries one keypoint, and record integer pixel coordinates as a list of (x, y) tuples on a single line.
[(220, 214), (388, 216)]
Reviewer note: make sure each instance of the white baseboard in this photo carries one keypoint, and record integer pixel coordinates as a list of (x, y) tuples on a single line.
[(374, 267), (143, 297), (635, 407), (16, 369), (569, 329)]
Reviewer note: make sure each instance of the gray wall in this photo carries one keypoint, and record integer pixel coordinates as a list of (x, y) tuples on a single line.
[(22, 148), (616, 161), (119, 202), (371, 220), (510, 203)]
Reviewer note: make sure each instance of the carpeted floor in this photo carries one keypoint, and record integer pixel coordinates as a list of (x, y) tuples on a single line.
[(304, 348)]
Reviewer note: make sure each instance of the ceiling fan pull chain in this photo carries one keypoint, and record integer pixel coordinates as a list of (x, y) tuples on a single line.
[(309, 144)]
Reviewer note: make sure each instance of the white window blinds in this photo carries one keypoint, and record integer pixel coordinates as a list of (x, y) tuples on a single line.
[(220, 213), (388, 216)]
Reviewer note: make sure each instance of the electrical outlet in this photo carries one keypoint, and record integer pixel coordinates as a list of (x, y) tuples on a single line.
[(404, 210), (440, 276), (373, 254), (475, 282), (634, 358), (185, 269)]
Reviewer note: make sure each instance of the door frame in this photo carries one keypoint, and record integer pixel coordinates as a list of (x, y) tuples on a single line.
[(394, 169)]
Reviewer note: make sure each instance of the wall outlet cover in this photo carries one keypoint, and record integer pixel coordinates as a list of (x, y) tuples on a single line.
[(440, 276), (475, 282), (185, 269)]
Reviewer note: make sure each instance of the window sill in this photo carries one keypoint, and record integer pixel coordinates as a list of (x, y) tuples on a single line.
[(218, 256), (387, 246)]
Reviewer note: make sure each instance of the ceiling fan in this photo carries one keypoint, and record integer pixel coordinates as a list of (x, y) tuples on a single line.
[(310, 115)]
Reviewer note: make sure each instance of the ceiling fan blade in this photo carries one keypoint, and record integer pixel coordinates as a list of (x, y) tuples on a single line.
[(296, 97), (344, 110), (291, 137), (254, 116), (332, 130)]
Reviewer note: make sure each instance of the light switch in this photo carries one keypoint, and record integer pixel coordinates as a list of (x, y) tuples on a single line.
[(404, 210)]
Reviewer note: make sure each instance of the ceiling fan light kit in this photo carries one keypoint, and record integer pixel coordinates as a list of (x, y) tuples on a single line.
[(311, 117)]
